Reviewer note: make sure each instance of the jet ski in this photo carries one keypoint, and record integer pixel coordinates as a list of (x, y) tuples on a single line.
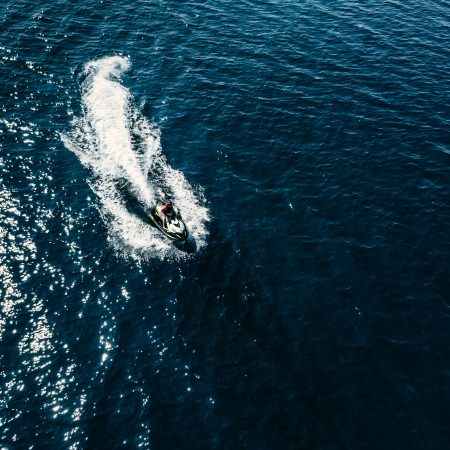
[(171, 224)]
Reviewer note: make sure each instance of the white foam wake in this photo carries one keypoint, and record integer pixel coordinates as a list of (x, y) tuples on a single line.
[(122, 150)]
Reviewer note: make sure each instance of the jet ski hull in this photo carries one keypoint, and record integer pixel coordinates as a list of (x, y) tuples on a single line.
[(156, 220)]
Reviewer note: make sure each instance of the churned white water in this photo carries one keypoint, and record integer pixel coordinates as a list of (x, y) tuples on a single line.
[(123, 151)]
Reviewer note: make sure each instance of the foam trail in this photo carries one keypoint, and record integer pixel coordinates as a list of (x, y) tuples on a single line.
[(121, 148), (106, 103)]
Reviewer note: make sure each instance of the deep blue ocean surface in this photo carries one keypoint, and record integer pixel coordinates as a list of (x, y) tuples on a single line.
[(306, 144)]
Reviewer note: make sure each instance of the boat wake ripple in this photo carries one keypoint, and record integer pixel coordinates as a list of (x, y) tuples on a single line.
[(122, 150)]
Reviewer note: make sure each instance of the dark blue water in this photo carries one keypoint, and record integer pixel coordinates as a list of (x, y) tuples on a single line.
[(306, 145)]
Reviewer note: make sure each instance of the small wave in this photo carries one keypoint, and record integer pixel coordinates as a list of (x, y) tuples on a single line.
[(129, 171)]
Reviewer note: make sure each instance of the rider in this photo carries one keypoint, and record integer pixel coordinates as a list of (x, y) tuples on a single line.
[(167, 211)]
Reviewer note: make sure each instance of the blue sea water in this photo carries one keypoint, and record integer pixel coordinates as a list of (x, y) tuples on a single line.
[(306, 144)]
